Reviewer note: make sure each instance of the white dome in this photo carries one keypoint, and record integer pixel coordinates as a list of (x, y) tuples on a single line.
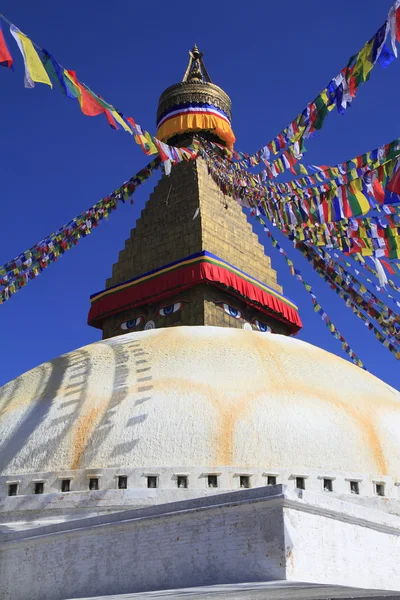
[(199, 397)]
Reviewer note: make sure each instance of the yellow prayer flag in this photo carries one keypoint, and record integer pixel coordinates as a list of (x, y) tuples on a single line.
[(364, 58), (149, 140), (120, 120), (324, 96), (34, 69), (356, 187)]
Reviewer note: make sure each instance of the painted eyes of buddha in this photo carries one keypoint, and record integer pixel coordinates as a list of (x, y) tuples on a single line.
[(131, 324), (237, 314), (233, 312), (164, 311), (262, 326)]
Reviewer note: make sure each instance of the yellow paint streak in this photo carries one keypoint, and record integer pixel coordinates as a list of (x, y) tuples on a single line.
[(362, 413), (83, 431), (232, 409), (363, 408), (229, 411)]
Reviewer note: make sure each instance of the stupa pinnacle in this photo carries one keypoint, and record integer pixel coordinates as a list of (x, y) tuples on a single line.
[(195, 105), (196, 69), (192, 258)]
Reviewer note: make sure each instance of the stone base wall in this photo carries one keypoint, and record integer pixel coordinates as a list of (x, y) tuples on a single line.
[(268, 534)]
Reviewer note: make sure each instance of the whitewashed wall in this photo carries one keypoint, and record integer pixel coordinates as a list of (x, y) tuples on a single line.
[(252, 535)]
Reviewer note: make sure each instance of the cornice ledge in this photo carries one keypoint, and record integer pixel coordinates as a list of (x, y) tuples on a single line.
[(338, 515)]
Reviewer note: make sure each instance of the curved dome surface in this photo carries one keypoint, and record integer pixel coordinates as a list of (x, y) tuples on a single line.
[(199, 396)]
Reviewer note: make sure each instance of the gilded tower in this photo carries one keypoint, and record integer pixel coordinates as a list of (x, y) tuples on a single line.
[(193, 258)]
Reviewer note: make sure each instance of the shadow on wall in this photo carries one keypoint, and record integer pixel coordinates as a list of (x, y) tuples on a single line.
[(78, 366), (90, 434), (123, 351)]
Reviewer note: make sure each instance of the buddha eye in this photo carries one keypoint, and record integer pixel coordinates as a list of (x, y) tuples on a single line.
[(233, 312), (262, 326), (165, 311), (131, 324)]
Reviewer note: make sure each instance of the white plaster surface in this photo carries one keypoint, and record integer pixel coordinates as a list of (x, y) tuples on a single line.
[(265, 534), (199, 397), (31, 510), (271, 590)]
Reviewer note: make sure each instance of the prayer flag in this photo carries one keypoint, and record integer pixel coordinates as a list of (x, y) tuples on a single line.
[(121, 121), (5, 56), (386, 56), (111, 121), (378, 190), (56, 73), (378, 42), (71, 85), (394, 183), (388, 267), (34, 69), (392, 20), (90, 105)]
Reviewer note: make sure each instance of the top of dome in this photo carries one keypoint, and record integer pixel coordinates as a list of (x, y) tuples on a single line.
[(195, 92), (199, 397)]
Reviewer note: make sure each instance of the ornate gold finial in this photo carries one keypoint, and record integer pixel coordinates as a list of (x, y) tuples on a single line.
[(196, 90), (196, 70)]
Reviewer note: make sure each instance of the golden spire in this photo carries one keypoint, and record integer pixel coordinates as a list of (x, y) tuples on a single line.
[(195, 90), (196, 70)]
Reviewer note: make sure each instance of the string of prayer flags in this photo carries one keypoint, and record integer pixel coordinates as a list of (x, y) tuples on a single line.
[(16, 273), (248, 193), (332, 202), (341, 90), (386, 320), (353, 302), (367, 236), (317, 307), (340, 171), (5, 56), (361, 261), (34, 69), (370, 281), (42, 67), (367, 300), (331, 177)]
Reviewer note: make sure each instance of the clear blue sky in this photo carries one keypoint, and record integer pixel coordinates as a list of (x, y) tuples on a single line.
[(271, 57)]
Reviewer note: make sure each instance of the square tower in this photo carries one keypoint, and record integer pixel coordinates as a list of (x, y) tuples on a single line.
[(193, 258)]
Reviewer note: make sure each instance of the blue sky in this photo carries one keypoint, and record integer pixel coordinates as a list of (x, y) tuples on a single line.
[(271, 59)]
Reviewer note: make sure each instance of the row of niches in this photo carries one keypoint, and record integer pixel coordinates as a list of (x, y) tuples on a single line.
[(168, 479)]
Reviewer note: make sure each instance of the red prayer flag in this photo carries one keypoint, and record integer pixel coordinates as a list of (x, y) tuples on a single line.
[(348, 213), (111, 121), (388, 267), (281, 140), (394, 184), (379, 192), (398, 24), (5, 56), (89, 105)]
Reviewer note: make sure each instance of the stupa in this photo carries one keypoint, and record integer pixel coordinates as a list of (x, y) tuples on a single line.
[(199, 449)]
